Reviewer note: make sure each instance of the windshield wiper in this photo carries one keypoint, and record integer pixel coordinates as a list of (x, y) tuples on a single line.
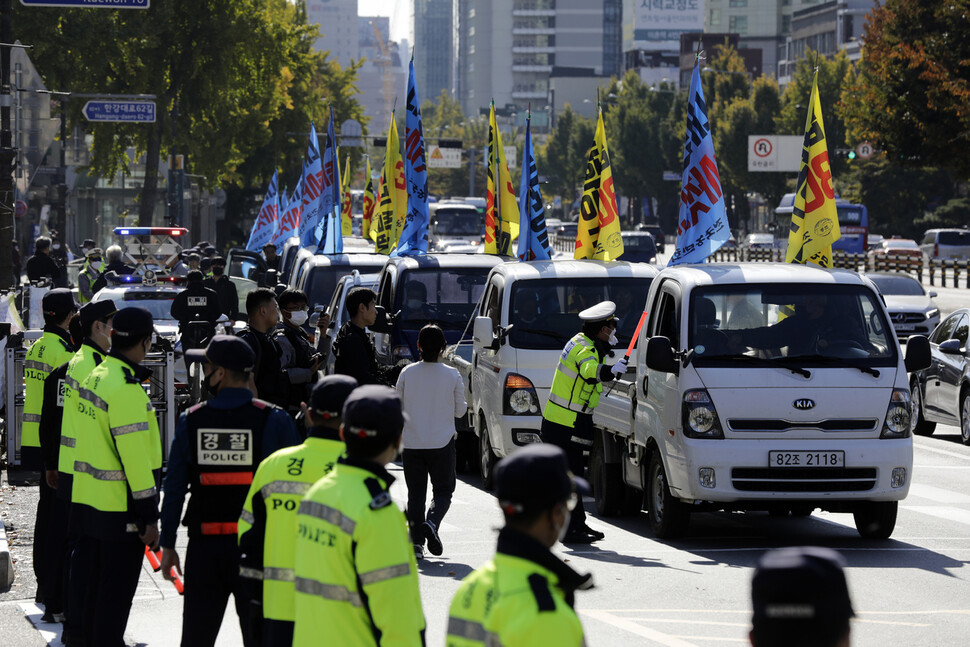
[(546, 333), (761, 361), (828, 359)]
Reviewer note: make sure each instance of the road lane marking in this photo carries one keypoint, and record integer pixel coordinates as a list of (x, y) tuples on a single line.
[(946, 512), (942, 452), (50, 632), (937, 494), (639, 630)]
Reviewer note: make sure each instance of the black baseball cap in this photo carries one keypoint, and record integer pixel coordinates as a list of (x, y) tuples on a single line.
[(226, 351), (133, 322), (58, 302), (374, 411), (536, 477), (800, 589), (329, 395), (95, 310), (195, 276)]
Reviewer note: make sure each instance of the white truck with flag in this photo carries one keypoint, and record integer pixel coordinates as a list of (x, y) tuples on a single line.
[(768, 387)]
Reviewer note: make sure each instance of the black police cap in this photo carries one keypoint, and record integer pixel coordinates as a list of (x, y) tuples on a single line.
[(95, 310), (58, 303), (536, 477), (329, 395), (374, 411), (133, 323), (195, 276), (226, 351)]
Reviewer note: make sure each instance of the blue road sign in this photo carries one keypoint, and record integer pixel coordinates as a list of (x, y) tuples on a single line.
[(90, 4), (121, 111)]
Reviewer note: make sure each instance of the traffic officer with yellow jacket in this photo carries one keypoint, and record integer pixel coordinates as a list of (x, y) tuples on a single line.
[(217, 446), (117, 468), (524, 596), (356, 574), (567, 420), (267, 525), (47, 353), (91, 331), (89, 275)]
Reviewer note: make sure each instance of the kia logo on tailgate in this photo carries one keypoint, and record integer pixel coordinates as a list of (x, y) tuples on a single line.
[(804, 404)]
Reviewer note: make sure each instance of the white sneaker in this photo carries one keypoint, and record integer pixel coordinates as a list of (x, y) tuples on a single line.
[(419, 551)]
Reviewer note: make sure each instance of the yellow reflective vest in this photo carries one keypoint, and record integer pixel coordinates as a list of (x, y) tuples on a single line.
[(118, 456), (267, 525), (576, 386), (356, 574), (516, 601), (47, 353), (78, 369)]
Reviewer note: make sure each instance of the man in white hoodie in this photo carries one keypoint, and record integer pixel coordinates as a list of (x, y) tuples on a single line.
[(432, 395)]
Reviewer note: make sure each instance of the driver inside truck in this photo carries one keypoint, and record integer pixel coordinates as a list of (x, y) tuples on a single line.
[(416, 301)]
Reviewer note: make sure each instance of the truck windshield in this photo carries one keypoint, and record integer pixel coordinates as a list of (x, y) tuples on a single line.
[(445, 296), (456, 222), (322, 280), (545, 313), (804, 323)]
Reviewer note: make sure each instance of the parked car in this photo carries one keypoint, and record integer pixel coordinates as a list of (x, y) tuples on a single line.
[(639, 247), (873, 241), (896, 247), (943, 244), (657, 233), (911, 309), (759, 241), (941, 393)]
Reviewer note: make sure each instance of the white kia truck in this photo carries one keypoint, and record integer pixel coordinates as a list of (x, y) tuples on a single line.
[(528, 312), (761, 386)]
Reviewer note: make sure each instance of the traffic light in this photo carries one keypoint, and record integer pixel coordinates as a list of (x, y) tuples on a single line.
[(851, 155)]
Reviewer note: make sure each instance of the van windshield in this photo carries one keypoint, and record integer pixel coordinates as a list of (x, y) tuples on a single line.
[(322, 280), (456, 222), (810, 324), (545, 314), (445, 296)]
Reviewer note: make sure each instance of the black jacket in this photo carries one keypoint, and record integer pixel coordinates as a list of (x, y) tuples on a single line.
[(228, 297), (354, 355), (41, 265), (271, 381), (196, 303)]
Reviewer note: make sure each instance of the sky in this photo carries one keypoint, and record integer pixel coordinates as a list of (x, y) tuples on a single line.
[(396, 10)]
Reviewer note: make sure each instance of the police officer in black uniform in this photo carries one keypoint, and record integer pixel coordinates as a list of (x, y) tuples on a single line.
[(196, 303), (218, 445), (224, 288)]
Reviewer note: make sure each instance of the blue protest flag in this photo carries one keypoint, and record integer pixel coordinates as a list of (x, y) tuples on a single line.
[(413, 240), (267, 222), (313, 179), (290, 217), (702, 225), (329, 232), (533, 237)]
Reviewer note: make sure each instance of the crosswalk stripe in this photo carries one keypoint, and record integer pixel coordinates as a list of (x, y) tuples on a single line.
[(937, 494), (949, 513)]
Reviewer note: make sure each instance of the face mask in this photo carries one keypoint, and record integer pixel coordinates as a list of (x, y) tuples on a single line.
[(56, 246), (208, 386), (218, 270), (565, 525), (613, 340), (299, 317)]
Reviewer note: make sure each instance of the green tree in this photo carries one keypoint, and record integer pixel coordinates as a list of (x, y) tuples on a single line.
[(563, 158), (911, 98)]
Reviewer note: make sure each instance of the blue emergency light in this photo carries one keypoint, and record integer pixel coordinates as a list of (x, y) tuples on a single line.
[(150, 231)]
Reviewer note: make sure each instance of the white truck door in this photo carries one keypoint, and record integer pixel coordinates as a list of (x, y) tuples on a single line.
[(658, 396)]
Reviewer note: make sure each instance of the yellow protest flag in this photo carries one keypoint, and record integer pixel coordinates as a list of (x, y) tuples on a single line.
[(598, 234), (392, 185), (346, 216), (368, 203), (501, 206), (815, 219)]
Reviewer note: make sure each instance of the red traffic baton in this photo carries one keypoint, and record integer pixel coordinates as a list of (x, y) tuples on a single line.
[(177, 581), (154, 558), (629, 349)]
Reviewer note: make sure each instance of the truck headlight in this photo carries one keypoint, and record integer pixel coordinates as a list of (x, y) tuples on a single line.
[(897, 415), (402, 352), (519, 397), (699, 416)]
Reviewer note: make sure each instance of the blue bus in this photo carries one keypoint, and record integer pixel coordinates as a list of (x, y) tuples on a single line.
[(853, 223)]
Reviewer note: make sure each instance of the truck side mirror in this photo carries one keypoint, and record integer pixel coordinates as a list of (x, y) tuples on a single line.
[(660, 355), (383, 323), (918, 353), (482, 334)]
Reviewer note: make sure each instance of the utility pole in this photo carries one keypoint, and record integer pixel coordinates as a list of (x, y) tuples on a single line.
[(6, 151)]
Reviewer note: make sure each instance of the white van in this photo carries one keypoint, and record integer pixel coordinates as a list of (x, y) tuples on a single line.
[(945, 244), (452, 223), (528, 313)]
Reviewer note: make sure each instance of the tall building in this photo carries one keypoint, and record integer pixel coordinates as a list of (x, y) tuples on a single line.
[(510, 50), (760, 25), (824, 27), (431, 30), (653, 47), (383, 75), (338, 28)]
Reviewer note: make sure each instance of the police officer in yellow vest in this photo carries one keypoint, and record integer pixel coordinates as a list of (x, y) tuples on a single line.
[(356, 574), (91, 331), (567, 420), (47, 353), (217, 446), (89, 274), (524, 596), (117, 470), (267, 525)]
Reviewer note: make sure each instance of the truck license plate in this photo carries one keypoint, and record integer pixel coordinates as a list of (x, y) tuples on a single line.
[(830, 458)]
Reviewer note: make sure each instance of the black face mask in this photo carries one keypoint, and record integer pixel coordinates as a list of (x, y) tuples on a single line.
[(208, 387), (218, 270)]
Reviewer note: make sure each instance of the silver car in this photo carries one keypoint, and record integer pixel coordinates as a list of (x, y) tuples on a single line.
[(911, 309)]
